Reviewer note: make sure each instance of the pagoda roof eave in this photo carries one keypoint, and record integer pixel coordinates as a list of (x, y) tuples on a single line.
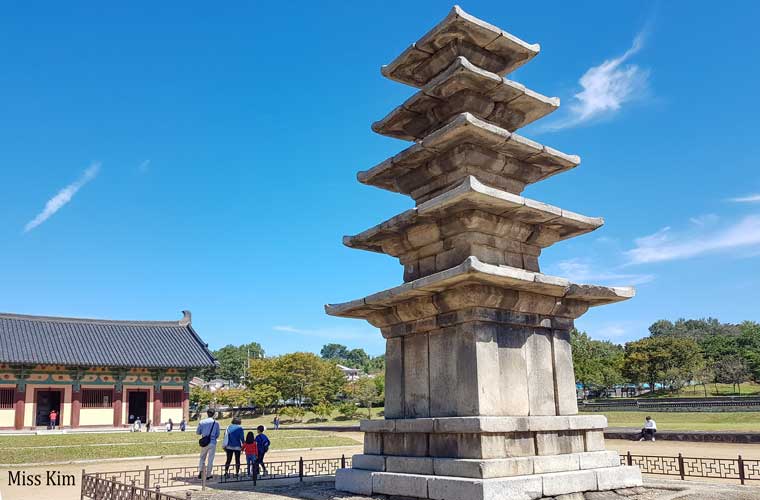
[(411, 122), (467, 128), (508, 51), (474, 271), (472, 194)]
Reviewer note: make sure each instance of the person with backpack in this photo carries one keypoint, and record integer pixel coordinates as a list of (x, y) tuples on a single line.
[(251, 450), (262, 447), (208, 429), (233, 443)]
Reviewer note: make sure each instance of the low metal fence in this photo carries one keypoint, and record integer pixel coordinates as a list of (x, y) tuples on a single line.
[(173, 477), (98, 488), (738, 468)]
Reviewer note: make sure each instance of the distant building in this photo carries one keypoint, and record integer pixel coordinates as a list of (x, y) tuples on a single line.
[(96, 372), (351, 374), (217, 384)]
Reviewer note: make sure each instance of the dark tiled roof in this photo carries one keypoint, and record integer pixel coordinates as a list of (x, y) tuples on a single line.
[(95, 342)]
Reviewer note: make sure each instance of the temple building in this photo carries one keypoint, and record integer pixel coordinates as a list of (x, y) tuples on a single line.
[(96, 372)]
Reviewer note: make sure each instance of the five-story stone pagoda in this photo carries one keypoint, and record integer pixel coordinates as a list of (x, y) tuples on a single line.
[(480, 396)]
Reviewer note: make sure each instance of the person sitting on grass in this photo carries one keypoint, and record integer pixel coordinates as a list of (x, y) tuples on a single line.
[(649, 430), (262, 442), (251, 450)]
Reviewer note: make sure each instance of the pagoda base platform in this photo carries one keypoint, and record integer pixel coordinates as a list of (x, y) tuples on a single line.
[(522, 487)]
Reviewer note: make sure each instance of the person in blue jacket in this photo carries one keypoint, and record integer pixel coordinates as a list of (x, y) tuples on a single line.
[(234, 437), (262, 441)]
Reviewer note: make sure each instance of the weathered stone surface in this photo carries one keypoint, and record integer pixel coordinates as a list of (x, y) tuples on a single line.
[(595, 440), (540, 373), (368, 462), (614, 478), (373, 443), (416, 377), (394, 378), (483, 469), (570, 496), (597, 459), (564, 375), (562, 483), (410, 465), (515, 488), (354, 481), (409, 485), (556, 463)]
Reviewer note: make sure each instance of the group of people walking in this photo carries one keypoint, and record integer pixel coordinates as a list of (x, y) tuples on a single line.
[(235, 442)]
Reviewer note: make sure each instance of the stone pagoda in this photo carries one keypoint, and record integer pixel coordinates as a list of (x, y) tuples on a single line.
[(480, 398)]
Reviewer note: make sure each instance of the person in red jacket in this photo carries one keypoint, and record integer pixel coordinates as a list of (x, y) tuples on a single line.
[(53, 419), (251, 449)]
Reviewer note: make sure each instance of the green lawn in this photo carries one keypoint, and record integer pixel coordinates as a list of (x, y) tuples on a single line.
[(63, 447), (729, 421), (310, 419)]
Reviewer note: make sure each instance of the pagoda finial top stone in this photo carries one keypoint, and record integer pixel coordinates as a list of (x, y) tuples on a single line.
[(460, 34)]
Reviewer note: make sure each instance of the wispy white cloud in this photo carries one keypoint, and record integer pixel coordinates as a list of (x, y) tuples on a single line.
[(666, 245), (752, 198), (144, 166), (581, 271), (606, 88), (63, 197), (326, 333)]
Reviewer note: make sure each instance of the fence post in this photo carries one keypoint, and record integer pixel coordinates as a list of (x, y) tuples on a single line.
[(132, 491), (300, 469), (629, 457), (188, 495), (146, 480), (81, 485), (741, 469), (343, 461), (681, 467)]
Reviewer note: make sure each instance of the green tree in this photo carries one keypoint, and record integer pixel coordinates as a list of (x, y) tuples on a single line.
[(234, 397), (334, 351), (597, 363), (670, 360), (364, 391), (200, 397), (348, 410), (264, 396), (233, 361), (732, 370), (299, 377), (323, 410)]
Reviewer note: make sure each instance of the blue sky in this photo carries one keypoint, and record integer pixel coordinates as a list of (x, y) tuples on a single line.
[(161, 157)]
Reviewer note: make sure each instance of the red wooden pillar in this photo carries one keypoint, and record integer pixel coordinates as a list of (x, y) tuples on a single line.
[(157, 400), (20, 406), (118, 396), (76, 406)]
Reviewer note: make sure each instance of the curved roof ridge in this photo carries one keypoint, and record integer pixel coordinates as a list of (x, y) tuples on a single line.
[(184, 321)]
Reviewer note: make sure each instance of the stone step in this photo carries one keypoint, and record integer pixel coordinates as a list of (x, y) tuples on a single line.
[(529, 486)]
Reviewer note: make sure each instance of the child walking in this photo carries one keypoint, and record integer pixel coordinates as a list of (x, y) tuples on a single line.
[(250, 447)]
